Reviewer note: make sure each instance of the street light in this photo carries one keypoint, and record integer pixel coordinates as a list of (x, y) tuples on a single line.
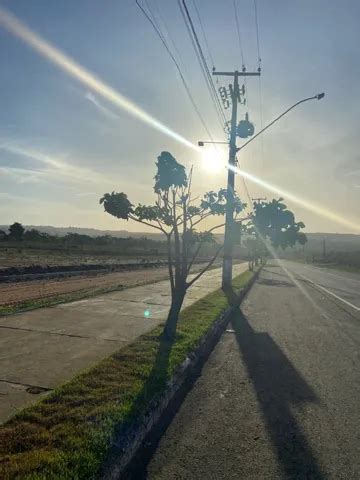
[(319, 96), (233, 149)]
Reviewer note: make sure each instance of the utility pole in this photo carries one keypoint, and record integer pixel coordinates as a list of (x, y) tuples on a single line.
[(229, 214), (324, 248)]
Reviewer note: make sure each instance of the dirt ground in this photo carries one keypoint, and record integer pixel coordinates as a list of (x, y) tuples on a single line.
[(15, 257), (12, 293)]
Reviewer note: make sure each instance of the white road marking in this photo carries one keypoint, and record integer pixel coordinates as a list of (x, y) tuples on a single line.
[(343, 277), (330, 293)]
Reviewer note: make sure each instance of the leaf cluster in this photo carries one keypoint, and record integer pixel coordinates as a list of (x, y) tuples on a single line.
[(273, 220)]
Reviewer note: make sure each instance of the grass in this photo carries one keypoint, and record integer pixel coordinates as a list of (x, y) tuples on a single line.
[(67, 435)]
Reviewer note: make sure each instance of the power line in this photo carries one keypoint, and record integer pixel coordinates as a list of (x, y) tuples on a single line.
[(247, 100), (204, 34), (151, 14), (260, 85), (238, 32), (156, 27), (257, 31), (202, 61), (167, 31)]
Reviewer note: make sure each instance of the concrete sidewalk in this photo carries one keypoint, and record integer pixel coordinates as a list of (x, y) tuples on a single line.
[(43, 348)]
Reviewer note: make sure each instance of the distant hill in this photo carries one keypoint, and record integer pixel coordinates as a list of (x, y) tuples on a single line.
[(334, 241), (91, 232)]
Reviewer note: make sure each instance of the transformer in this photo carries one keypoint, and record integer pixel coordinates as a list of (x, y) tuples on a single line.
[(245, 128)]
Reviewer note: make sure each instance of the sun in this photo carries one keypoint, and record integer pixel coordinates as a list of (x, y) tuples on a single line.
[(212, 160)]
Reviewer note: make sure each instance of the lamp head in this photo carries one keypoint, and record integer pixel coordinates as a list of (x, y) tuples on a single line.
[(319, 96), (201, 144)]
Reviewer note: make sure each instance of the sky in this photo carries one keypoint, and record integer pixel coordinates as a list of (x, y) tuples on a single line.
[(67, 137)]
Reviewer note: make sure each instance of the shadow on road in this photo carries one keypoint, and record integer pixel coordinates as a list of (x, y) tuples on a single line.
[(278, 387), (274, 283)]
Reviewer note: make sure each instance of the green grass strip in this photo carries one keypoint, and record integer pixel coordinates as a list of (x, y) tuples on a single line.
[(67, 434)]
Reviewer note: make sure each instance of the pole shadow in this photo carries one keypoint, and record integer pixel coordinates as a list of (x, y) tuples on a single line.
[(155, 382), (278, 386)]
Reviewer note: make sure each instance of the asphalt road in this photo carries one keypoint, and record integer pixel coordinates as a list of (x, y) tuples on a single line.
[(279, 396), (344, 286)]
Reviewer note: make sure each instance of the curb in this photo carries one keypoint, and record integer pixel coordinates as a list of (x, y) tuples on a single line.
[(129, 440)]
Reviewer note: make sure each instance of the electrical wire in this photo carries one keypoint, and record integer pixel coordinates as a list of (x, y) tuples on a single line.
[(167, 31), (152, 14), (257, 31), (259, 84), (203, 33), (202, 62), (151, 18), (239, 34), (247, 99)]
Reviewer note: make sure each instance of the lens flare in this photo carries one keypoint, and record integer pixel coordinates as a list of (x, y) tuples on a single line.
[(17, 28), (75, 70), (312, 207)]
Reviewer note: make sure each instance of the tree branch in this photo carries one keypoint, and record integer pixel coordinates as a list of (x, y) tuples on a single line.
[(204, 269), (196, 253), (177, 243), (146, 223), (170, 267), (223, 224), (184, 241)]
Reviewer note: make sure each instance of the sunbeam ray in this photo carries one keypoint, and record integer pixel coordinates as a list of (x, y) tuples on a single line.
[(312, 207), (75, 70), (17, 28)]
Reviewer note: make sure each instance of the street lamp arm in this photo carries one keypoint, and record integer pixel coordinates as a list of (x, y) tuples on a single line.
[(319, 96)]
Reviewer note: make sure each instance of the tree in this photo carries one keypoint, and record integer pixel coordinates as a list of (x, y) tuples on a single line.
[(273, 221), (32, 235), (176, 215), (16, 231)]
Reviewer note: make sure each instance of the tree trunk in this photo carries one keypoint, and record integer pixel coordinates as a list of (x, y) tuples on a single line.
[(173, 315)]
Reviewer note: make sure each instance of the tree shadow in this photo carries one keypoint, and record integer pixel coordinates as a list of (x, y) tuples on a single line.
[(158, 376), (278, 386), (274, 283), (232, 296)]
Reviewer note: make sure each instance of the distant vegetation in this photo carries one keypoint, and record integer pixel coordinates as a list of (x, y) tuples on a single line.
[(328, 249), (18, 236)]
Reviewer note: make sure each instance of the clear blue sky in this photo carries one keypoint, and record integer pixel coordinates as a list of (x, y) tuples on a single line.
[(63, 145)]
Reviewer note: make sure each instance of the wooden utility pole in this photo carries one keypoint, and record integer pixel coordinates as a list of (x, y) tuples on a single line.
[(229, 215)]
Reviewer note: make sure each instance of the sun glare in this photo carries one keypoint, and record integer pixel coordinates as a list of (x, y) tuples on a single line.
[(213, 161)]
